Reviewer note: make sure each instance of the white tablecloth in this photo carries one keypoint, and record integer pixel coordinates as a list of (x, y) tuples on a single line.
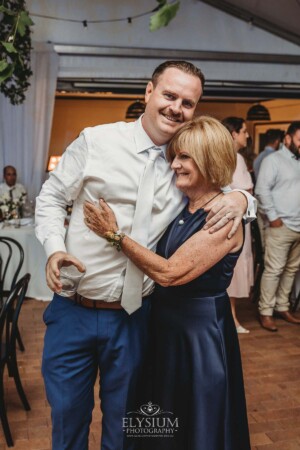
[(34, 261)]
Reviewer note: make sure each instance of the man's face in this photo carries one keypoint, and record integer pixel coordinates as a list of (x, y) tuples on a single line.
[(293, 142), (241, 137), (170, 104), (10, 176)]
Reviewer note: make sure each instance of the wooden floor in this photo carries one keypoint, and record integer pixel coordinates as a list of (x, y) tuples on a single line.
[(271, 364)]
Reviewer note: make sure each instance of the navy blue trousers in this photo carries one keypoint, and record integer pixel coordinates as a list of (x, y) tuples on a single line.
[(78, 342)]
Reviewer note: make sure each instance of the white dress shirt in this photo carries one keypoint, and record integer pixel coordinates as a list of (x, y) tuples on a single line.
[(278, 187), (17, 190), (105, 161)]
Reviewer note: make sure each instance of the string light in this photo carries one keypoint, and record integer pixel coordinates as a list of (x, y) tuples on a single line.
[(85, 23)]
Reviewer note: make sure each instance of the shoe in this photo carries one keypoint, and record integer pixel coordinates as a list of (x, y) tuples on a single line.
[(286, 315), (242, 330), (267, 322)]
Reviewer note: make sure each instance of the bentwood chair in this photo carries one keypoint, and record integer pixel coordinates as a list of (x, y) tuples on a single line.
[(12, 246), (8, 356), (258, 258), (296, 300), (10, 267)]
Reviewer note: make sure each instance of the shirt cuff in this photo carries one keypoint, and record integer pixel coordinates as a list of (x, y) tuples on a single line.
[(252, 206), (272, 215), (54, 244)]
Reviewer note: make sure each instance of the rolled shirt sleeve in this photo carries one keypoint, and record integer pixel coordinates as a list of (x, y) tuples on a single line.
[(62, 187)]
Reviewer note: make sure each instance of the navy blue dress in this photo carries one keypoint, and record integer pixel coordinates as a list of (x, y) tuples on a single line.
[(197, 368)]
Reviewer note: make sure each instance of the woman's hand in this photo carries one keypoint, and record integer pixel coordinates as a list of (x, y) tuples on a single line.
[(99, 219)]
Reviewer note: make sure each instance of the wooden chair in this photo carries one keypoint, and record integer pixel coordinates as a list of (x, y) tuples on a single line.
[(12, 247), (296, 301), (8, 356), (258, 258)]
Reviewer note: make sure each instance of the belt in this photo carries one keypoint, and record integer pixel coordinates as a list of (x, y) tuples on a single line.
[(94, 304)]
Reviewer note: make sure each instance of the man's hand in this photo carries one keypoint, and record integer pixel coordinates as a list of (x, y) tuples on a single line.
[(54, 263), (276, 223), (232, 206)]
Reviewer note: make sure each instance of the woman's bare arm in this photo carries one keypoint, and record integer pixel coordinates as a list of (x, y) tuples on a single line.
[(198, 254)]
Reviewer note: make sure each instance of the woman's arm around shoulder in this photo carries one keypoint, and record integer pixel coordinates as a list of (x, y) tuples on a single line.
[(197, 255)]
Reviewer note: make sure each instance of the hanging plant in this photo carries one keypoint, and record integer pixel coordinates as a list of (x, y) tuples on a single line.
[(15, 47), (165, 12)]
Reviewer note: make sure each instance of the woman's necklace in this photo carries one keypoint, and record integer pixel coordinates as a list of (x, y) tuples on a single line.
[(182, 220)]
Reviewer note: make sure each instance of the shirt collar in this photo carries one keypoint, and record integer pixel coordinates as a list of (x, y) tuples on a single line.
[(10, 188), (289, 154), (143, 141)]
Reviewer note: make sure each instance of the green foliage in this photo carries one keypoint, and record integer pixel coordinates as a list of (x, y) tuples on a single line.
[(165, 13), (15, 46)]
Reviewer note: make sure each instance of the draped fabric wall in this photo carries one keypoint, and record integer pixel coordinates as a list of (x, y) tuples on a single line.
[(25, 129)]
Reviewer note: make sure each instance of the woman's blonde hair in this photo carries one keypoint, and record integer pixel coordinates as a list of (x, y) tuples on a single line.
[(210, 145)]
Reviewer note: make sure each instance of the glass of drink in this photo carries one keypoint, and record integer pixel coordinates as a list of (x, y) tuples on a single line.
[(70, 278)]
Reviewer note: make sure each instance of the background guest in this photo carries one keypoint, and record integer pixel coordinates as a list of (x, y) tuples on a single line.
[(277, 189), (249, 157), (243, 273), (12, 195), (10, 185), (273, 140)]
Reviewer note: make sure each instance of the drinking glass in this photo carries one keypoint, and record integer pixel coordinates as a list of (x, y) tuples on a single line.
[(70, 278)]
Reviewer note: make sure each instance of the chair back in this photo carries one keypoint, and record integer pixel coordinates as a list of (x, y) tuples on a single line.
[(258, 261), (9, 267), (257, 247), (9, 317)]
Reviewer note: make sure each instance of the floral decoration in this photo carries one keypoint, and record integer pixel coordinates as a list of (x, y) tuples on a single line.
[(11, 208)]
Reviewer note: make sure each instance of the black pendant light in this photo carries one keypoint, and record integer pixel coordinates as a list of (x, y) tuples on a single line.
[(135, 110), (258, 112)]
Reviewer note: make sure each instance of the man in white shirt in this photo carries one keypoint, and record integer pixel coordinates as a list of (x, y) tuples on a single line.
[(274, 138), (277, 190), (92, 330), (10, 186)]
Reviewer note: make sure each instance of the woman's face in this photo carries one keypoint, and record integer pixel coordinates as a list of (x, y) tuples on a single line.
[(187, 173), (240, 138)]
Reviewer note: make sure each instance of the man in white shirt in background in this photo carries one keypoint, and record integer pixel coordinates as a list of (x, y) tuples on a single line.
[(10, 186), (93, 330), (278, 193), (274, 138)]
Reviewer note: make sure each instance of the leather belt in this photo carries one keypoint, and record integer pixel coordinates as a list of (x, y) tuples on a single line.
[(94, 304)]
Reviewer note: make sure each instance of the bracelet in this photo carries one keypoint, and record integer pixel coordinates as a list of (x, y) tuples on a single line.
[(115, 238)]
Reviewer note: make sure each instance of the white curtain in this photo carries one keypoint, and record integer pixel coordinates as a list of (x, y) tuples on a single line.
[(25, 129)]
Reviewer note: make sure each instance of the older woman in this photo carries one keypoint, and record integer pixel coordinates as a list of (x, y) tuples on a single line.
[(197, 367)]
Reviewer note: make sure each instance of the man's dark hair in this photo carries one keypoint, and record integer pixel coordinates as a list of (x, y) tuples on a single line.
[(6, 168), (233, 124), (184, 66), (273, 135), (293, 128)]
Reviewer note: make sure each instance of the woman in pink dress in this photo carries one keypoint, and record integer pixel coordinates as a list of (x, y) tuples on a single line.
[(243, 273)]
